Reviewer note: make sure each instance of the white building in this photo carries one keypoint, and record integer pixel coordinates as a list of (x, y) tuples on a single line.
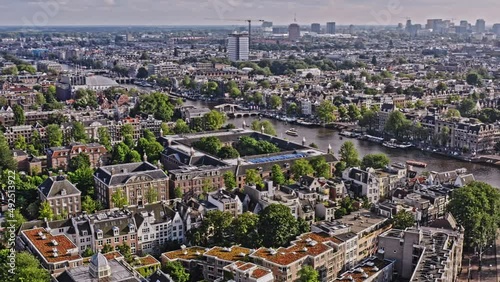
[(238, 47)]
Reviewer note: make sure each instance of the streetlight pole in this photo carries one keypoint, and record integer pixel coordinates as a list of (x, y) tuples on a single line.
[(468, 272)]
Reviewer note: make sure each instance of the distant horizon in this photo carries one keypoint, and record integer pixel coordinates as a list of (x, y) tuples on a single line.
[(216, 12)]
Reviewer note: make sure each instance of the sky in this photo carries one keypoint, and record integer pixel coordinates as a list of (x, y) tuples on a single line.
[(223, 12)]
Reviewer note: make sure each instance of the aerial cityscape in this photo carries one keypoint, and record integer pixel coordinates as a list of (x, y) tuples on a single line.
[(259, 141)]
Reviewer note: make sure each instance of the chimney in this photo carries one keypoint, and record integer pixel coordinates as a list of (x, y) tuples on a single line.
[(145, 157), (112, 170), (270, 188), (329, 149)]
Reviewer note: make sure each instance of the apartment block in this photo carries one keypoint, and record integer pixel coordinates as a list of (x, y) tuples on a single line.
[(426, 253)]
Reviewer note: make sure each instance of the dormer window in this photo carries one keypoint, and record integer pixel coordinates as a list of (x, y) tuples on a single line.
[(84, 233), (99, 234), (131, 227), (116, 231)]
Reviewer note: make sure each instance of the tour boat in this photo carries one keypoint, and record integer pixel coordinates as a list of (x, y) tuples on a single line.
[(416, 163), (399, 165), (292, 132)]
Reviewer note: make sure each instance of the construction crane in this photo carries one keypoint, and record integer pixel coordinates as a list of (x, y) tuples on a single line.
[(240, 20)]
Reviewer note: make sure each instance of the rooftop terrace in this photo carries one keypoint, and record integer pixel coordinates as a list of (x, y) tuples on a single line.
[(53, 249)]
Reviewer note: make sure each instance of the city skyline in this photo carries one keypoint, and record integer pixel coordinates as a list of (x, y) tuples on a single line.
[(189, 12)]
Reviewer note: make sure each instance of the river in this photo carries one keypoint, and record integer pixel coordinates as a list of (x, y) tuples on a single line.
[(324, 137)]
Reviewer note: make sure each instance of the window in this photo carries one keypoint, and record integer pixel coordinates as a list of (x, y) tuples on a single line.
[(124, 238), (88, 239), (99, 243), (108, 241), (117, 239)]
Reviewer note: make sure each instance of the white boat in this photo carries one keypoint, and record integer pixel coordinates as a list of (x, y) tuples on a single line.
[(292, 132), (390, 144)]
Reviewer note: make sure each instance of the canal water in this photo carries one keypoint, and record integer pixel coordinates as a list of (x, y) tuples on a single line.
[(324, 137)]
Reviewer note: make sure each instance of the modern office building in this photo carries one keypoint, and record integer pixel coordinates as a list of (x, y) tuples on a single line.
[(316, 27), (480, 26), (496, 29), (238, 47), (330, 27), (293, 32)]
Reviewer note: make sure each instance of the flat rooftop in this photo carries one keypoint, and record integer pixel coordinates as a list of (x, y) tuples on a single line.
[(53, 249), (119, 273), (364, 271), (186, 253)]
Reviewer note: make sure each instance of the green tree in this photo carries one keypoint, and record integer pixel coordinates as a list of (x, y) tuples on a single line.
[(89, 205), (104, 137), (275, 102), (107, 249), (178, 192), (349, 155), (244, 230), (119, 153), (54, 135), (228, 152), (308, 274), (119, 199), (276, 226), (229, 180), (277, 175), (325, 112), (27, 268), (156, 104), (6, 157), (339, 168), (467, 107), (81, 160), (452, 113), (300, 168), (252, 177), (473, 78), (142, 72), (397, 124), (87, 253), (321, 167), (152, 195), (176, 271), (268, 127), (20, 143), (83, 178), (17, 219), (211, 145), (19, 118), (376, 161), (476, 207), (127, 129), (374, 60), (369, 120), (214, 120), (234, 92), (216, 225), (353, 112), (78, 132), (181, 127), (133, 157), (126, 251), (403, 219), (45, 211)]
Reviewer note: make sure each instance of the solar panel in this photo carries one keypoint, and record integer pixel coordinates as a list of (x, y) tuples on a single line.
[(277, 158)]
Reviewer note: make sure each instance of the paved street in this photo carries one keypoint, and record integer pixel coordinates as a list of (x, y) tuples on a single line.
[(490, 271)]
